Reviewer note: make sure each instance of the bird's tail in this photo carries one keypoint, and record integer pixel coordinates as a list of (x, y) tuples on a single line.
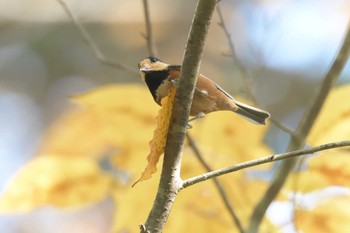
[(252, 114)]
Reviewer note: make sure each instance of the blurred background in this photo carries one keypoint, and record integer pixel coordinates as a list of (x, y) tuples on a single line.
[(287, 47)]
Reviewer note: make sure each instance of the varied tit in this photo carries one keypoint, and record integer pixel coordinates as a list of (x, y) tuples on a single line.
[(208, 96)]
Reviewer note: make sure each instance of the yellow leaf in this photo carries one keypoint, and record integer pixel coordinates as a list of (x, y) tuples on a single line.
[(111, 118), (107, 120), (331, 169), (158, 141), (334, 166), (331, 216), (55, 180), (81, 125), (230, 136), (333, 123), (223, 139), (198, 208)]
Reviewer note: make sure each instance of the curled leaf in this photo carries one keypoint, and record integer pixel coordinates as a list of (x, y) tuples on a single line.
[(157, 144)]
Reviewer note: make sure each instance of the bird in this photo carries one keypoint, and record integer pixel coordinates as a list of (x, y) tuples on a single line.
[(208, 96)]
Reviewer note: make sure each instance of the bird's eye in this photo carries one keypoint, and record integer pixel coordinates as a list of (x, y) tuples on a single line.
[(153, 59)]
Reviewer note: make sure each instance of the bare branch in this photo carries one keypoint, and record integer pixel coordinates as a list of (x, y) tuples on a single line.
[(149, 32), (244, 74), (328, 82), (217, 183), (242, 70), (88, 40), (262, 160), (284, 128), (170, 181), (303, 130)]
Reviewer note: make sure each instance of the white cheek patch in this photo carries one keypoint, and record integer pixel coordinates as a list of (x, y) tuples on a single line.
[(162, 90)]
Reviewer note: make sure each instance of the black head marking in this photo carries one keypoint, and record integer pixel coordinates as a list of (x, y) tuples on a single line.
[(153, 59), (154, 79)]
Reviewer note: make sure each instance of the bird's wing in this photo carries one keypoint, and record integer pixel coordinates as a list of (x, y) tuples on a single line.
[(174, 72), (174, 67), (223, 91)]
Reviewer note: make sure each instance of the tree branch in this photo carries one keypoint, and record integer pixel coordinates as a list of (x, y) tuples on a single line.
[(170, 181), (217, 183), (152, 50), (263, 160), (87, 39), (328, 82), (242, 70), (303, 130), (245, 76)]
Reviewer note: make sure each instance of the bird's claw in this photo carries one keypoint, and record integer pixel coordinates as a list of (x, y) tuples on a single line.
[(199, 115), (175, 83)]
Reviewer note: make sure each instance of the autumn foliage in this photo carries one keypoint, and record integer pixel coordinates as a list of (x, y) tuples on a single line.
[(112, 122)]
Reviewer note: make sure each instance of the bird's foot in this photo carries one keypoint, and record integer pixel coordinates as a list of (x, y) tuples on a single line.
[(175, 83), (199, 116)]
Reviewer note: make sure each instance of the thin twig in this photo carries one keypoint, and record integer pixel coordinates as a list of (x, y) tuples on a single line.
[(217, 183), (245, 76), (328, 82), (263, 160), (242, 70), (88, 40), (303, 130), (284, 128), (149, 32)]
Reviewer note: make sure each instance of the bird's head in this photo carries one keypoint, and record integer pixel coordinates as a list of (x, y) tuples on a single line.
[(151, 64)]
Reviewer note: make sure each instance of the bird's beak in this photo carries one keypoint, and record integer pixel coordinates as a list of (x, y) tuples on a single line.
[(144, 69)]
